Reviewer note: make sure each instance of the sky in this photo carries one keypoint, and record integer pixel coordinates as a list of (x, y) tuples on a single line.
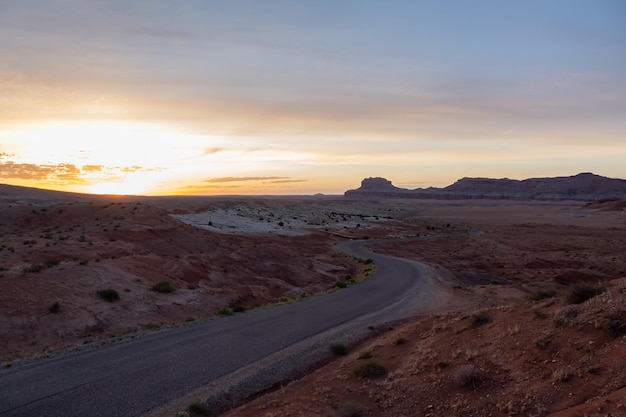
[(302, 97)]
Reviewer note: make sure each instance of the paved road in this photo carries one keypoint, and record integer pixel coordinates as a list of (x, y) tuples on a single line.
[(132, 377)]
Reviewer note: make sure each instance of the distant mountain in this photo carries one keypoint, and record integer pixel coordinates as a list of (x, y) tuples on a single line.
[(583, 187)]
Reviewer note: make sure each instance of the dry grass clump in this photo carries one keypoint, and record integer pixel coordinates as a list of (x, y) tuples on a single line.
[(466, 376), (370, 369), (579, 293), (163, 287), (561, 375), (351, 410), (479, 318)]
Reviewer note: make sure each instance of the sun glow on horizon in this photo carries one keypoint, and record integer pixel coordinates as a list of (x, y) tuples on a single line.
[(100, 157)]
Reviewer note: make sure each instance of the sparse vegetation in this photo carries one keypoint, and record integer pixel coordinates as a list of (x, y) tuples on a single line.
[(52, 262), (400, 340), (351, 410), (466, 376), (341, 284), (239, 308), (370, 369), (338, 349), (152, 326), (561, 375), (34, 268), (614, 326), (163, 287), (579, 293), (189, 319), (542, 341), (109, 294), (541, 295), (366, 355), (479, 318), (199, 408), (54, 308), (225, 311)]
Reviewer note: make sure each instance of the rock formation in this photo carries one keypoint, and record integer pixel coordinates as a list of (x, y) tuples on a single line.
[(583, 187)]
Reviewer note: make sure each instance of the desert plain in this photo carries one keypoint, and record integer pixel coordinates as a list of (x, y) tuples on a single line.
[(512, 340)]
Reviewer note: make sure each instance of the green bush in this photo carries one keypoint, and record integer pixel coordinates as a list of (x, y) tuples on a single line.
[(109, 294), (152, 326), (199, 408), (341, 284), (400, 340), (225, 311), (370, 369), (239, 309), (579, 293), (338, 349), (163, 287)]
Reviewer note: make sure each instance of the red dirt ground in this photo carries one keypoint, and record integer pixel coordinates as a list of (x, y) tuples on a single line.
[(519, 348), (507, 355)]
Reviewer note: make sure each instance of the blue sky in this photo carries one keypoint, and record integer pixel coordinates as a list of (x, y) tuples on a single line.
[(226, 97)]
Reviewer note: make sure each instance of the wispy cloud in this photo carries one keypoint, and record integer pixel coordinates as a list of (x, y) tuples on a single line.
[(57, 173), (242, 179), (283, 181), (64, 173)]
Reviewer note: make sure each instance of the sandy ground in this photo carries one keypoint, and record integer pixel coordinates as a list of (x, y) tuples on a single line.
[(506, 352)]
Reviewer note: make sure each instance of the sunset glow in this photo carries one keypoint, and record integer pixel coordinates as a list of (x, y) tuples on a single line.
[(249, 97)]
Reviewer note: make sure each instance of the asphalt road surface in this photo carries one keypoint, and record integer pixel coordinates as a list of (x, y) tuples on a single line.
[(132, 377)]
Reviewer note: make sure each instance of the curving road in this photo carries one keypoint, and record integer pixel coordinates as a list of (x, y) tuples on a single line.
[(133, 377)]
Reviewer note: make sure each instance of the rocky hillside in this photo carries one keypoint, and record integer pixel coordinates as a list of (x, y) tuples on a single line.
[(583, 187)]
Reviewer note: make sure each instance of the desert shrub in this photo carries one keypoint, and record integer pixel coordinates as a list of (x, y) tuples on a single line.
[(183, 414), (199, 408), (338, 349), (351, 410), (561, 375), (479, 318), (54, 308), (52, 262), (189, 319), (370, 369), (239, 308), (163, 287), (109, 294), (542, 341), (579, 293), (366, 355), (34, 268), (341, 284), (614, 326), (541, 295), (466, 376), (225, 311), (152, 326), (400, 340)]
